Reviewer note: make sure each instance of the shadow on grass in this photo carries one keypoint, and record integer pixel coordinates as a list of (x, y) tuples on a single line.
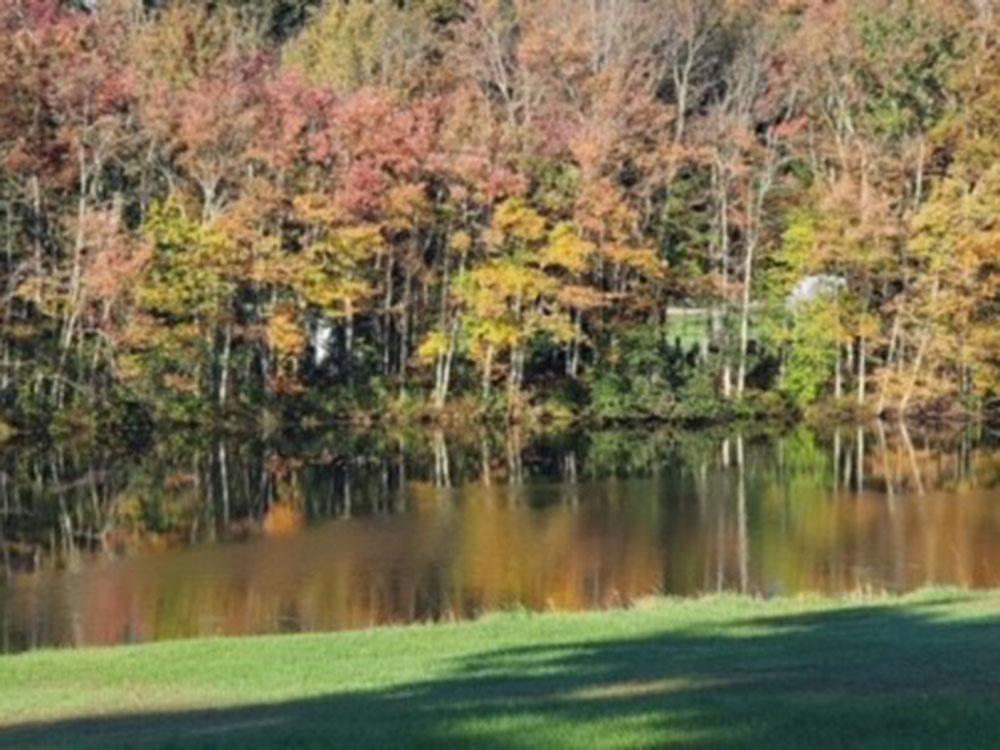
[(871, 676)]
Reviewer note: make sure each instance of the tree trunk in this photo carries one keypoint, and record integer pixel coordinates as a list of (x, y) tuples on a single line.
[(860, 456), (918, 364), (387, 318), (862, 369), (488, 372), (227, 346), (404, 328), (741, 376), (838, 376), (443, 383)]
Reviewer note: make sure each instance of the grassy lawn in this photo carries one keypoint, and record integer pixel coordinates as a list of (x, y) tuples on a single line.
[(921, 671)]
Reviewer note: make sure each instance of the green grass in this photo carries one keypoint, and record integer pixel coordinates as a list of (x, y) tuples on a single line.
[(920, 671)]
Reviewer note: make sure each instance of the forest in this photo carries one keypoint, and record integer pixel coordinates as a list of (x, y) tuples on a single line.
[(286, 211)]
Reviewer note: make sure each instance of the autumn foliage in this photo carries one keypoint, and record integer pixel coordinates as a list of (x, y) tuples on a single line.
[(322, 208)]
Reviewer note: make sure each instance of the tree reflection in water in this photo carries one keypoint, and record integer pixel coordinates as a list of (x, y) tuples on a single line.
[(214, 536)]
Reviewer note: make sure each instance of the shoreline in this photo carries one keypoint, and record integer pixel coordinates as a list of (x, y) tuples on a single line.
[(918, 668)]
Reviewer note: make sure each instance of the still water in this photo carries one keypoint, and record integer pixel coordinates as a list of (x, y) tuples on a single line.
[(203, 537)]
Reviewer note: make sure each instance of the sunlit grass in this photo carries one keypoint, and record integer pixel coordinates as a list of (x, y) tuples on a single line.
[(918, 671)]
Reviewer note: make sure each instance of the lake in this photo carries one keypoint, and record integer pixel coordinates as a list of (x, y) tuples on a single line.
[(203, 536)]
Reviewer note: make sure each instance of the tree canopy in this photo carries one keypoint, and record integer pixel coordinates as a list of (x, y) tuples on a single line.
[(213, 209)]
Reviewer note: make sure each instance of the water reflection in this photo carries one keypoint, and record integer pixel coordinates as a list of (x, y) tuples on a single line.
[(233, 537)]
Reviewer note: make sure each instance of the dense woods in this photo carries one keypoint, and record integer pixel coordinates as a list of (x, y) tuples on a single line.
[(676, 209)]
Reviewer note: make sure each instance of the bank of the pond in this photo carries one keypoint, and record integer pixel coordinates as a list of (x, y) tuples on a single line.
[(918, 671)]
